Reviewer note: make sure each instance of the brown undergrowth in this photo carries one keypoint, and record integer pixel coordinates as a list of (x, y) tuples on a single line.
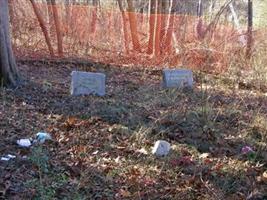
[(101, 146)]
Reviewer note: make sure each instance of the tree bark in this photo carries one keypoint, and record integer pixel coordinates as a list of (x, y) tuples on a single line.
[(68, 16), (43, 27), (58, 28), (152, 21), (250, 26), (133, 26), (50, 17), (8, 69), (158, 28), (11, 10), (242, 38), (200, 31), (167, 39), (124, 20), (94, 16)]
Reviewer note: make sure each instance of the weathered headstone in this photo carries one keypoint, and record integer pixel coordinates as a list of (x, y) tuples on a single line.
[(177, 78), (161, 148), (85, 83)]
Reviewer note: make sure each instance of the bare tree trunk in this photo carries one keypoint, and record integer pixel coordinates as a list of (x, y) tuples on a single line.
[(250, 26), (50, 16), (212, 25), (58, 28), (8, 69), (242, 38), (94, 16), (164, 20), (158, 28), (200, 31), (43, 27), (133, 26), (67, 10), (152, 20), (124, 19), (11, 10), (167, 38)]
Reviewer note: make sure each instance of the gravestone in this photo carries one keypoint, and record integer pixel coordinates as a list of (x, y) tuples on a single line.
[(177, 78), (85, 83)]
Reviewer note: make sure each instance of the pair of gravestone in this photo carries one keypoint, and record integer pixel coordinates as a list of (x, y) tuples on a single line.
[(85, 83)]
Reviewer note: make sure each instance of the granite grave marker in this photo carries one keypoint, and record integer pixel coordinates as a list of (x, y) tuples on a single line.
[(86, 83), (177, 78)]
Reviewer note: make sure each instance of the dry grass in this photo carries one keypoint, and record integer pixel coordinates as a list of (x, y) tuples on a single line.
[(102, 145)]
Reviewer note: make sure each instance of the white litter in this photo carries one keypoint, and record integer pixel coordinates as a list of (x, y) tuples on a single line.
[(24, 142), (42, 137), (5, 159), (11, 156), (8, 157)]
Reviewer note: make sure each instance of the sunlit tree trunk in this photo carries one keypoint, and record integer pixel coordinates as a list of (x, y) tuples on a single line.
[(167, 38), (133, 26), (94, 16), (125, 31), (68, 17), (152, 21), (200, 31), (8, 69), (43, 27), (50, 16), (164, 20), (242, 38), (58, 28), (158, 28)]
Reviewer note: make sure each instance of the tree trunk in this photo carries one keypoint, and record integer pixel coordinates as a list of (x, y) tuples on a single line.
[(43, 27), (68, 17), (152, 20), (124, 19), (94, 16), (50, 17), (167, 39), (250, 26), (242, 38), (133, 26), (8, 69), (164, 19), (11, 10), (158, 28), (200, 31), (58, 28)]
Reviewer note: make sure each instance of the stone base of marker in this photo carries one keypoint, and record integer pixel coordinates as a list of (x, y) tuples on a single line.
[(177, 78), (86, 83)]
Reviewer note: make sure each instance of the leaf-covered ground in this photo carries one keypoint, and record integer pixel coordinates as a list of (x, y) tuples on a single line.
[(101, 147)]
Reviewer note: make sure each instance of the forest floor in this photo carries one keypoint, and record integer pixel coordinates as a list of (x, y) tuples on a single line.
[(101, 146)]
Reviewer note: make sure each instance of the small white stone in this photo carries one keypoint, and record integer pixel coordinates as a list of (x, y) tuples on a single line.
[(161, 148)]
